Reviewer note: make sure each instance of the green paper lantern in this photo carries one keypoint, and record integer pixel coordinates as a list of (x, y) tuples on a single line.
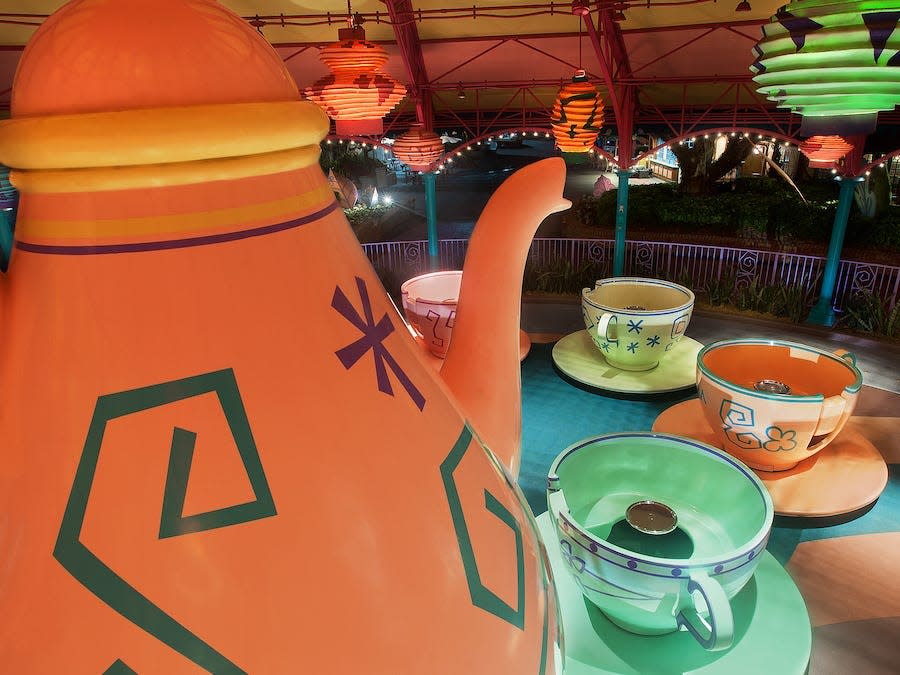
[(834, 61)]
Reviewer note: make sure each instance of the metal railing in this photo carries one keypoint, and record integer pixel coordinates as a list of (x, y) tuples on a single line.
[(699, 264)]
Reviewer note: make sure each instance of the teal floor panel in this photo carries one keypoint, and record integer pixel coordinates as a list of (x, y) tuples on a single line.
[(556, 414)]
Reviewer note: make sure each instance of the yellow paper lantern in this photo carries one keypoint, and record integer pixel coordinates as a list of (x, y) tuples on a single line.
[(823, 151), (577, 115), (357, 95), (418, 149)]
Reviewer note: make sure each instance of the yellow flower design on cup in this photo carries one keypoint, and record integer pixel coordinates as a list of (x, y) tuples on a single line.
[(780, 440)]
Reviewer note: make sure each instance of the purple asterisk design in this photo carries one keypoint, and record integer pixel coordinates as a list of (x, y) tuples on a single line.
[(632, 347), (653, 341), (373, 338), (635, 326)]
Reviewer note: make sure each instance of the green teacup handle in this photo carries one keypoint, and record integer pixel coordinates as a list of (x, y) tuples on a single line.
[(603, 327), (719, 633)]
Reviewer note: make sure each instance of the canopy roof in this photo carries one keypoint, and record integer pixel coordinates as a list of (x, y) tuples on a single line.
[(497, 63)]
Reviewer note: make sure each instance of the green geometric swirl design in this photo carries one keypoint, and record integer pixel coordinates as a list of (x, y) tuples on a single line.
[(104, 582), (119, 668), (482, 596), (173, 523)]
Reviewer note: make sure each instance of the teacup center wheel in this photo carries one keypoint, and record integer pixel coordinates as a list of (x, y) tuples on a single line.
[(636, 308), (651, 517), (772, 387)]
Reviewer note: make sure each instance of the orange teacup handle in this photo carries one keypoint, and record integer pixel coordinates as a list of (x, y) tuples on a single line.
[(832, 408), (830, 403), (717, 633), (850, 357), (603, 327)]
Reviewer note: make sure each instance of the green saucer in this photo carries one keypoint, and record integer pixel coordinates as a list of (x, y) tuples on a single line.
[(578, 358), (772, 632)]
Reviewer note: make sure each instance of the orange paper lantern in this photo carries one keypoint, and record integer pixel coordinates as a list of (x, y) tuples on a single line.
[(418, 148), (357, 95), (824, 150), (577, 115)]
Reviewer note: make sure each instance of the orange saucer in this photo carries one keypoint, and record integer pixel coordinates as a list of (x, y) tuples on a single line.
[(524, 345), (845, 476)]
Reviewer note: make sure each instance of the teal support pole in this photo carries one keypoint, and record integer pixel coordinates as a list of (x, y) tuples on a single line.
[(621, 221), (6, 238), (430, 179), (822, 313)]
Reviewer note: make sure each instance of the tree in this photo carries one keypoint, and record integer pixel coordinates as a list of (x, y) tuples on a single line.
[(700, 170), (873, 195)]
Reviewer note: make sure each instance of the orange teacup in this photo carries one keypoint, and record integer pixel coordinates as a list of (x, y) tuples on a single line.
[(774, 403)]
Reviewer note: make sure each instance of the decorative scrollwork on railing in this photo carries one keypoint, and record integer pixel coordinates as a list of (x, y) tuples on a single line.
[(747, 267), (643, 259), (700, 263), (414, 257), (864, 278), (596, 252)]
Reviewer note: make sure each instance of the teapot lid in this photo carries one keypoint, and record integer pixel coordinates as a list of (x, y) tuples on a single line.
[(108, 55), (132, 93)]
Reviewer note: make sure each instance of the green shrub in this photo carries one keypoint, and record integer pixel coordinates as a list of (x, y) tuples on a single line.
[(644, 202), (597, 211), (791, 301), (757, 208), (561, 277), (718, 291), (756, 297), (796, 300), (869, 313), (881, 233), (367, 221)]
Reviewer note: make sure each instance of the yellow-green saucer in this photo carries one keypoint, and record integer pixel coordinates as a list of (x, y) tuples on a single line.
[(577, 357)]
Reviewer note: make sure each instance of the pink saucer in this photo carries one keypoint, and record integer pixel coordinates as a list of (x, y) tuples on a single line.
[(437, 362)]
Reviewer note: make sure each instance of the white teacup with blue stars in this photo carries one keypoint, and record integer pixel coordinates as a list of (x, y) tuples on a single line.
[(635, 321)]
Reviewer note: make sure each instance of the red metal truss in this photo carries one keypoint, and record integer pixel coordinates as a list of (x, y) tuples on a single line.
[(500, 42), (677, 48), (400, 12), (612, 32), (878, 162), (614, 65)]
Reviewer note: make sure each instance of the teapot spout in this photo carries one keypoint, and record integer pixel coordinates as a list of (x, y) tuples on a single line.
[(482, 363)]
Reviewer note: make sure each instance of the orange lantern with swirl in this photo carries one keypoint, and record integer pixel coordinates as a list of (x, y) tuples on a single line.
[(577, 115), (823, 151), (357, 95), (418, 148)]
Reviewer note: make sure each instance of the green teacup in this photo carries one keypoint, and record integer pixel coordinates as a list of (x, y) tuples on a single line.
[(654, 584)]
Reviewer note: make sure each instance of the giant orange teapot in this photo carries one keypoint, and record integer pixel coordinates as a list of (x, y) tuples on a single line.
[(221, 453)]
